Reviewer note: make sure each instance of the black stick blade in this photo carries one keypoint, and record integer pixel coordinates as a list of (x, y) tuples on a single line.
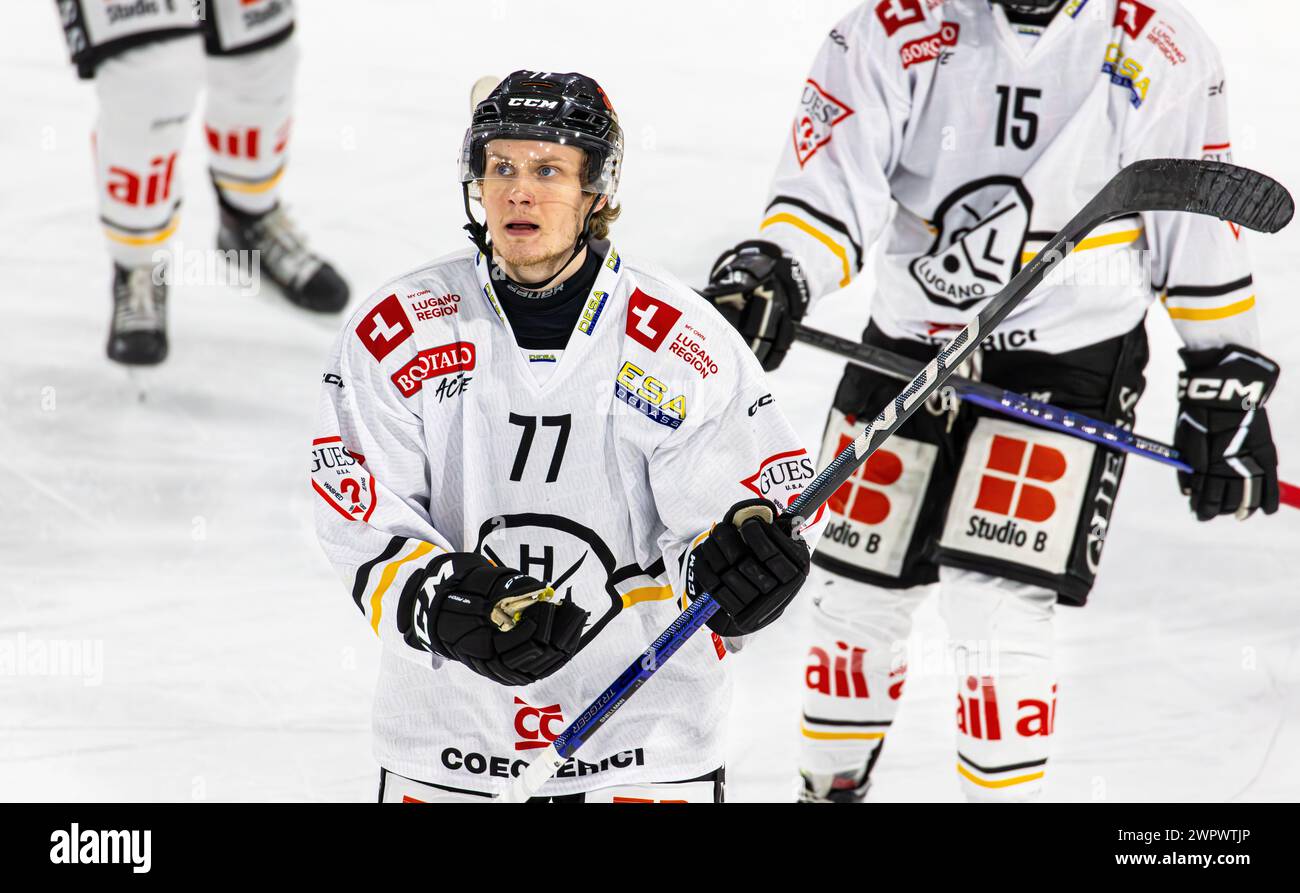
[(1239, 194)]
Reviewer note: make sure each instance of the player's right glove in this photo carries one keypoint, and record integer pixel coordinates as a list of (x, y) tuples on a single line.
[(499, 622), (761, 292), (753, 565), (1223, 432)]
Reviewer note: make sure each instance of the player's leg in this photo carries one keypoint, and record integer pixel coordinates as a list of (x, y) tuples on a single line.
[(1025, 528), (873, 567), (147, 70), (251, 69)]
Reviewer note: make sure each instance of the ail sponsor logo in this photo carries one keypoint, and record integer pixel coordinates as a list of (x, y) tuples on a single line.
[(649, 319), (978, 715), (819, 113), (927, 49), (142, 190), (442, 360), (841, 675), (426, 308)]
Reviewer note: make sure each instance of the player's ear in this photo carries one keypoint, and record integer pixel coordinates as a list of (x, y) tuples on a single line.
[(601, 202)]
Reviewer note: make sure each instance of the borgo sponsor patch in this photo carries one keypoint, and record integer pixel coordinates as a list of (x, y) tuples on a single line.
[(443, 360), (340, 477), (819, 113), (384, 328), (927, 49), (1019, 495), (873, 514)]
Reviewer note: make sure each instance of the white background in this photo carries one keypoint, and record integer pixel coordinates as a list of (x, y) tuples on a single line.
[(175, 531)]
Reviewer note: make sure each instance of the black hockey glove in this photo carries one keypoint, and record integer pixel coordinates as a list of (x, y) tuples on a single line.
[(1223, 433), (499, 622), (752, 567), (761, 292)]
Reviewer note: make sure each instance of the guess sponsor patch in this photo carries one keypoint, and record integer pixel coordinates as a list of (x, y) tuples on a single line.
[(443, 360), (927, 49), (649, 319), (782, 477), (384, 328), (340, 477), (819, 113)]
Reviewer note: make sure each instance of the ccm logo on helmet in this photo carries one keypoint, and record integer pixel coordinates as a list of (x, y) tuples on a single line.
[(532, 102)]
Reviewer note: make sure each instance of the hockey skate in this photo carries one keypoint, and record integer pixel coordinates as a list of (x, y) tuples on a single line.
[(138, 333), (842, 787), (305, 278)]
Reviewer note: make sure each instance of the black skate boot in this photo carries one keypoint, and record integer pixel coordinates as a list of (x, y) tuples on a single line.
[(842, 787), (304, 277), (138, 333)]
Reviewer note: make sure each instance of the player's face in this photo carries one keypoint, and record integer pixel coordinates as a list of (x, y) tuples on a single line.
[(534, 203)]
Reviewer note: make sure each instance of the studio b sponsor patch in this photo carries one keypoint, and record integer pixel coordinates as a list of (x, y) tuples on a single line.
[(871, 518), (1019, 495)]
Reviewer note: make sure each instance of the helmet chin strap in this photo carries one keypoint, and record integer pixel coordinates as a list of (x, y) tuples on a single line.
[(478, 234)]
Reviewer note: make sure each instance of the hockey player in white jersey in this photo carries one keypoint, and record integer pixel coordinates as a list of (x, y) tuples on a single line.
[(982, 127), (522, 450), (149, 61)]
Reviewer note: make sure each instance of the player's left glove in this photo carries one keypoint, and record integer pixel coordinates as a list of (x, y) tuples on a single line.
[(1223, 432), (762, 293), (752, 564)]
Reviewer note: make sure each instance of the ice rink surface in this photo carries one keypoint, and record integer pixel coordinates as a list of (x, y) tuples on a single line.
[(174, 533)]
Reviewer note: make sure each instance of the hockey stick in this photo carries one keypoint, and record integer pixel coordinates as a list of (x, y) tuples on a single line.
[(1010, 403), (1241, 195)]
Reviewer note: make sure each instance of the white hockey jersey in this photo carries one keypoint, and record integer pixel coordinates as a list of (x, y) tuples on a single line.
[(435, 434), (987, 143)]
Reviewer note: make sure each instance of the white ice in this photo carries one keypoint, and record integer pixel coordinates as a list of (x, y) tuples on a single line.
[(174, 533)]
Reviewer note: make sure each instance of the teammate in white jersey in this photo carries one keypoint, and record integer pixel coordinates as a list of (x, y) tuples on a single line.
[(522, 450), (149, 61), (982, 128)]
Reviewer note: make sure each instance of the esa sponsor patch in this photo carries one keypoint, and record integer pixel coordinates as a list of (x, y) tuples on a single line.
[(340, 477), (1124, 71), (442, 360), (649, 396), (1019, 495), (927, 49), (384, 328), (819, 113), (873, 515), (649, 319)]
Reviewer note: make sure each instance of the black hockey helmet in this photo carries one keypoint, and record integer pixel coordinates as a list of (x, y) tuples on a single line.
[(570, 109)]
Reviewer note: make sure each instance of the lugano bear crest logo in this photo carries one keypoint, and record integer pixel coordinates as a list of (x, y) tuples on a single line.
[(982, 229)]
